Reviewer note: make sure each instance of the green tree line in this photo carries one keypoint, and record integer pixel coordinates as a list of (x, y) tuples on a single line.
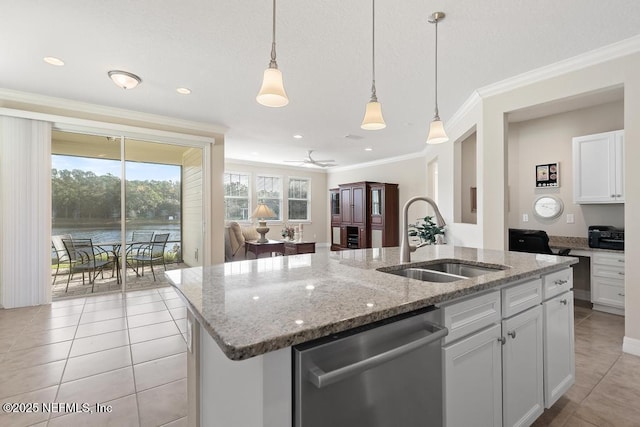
[(78, 194)]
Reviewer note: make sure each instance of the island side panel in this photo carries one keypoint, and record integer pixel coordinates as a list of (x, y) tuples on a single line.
[(251, 393)]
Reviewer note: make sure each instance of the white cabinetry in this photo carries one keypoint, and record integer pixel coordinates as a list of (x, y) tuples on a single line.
[(494, 357), (522, 368), (473, 381), (607, 282), (559, 357), (598, 168)]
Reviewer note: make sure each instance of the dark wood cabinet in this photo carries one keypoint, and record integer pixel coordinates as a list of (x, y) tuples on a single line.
[(363, 215)]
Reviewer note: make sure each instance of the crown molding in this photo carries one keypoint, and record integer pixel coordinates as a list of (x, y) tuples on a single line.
[(377, 162), (594, 57), (272, 165), (57, 104), (452, 125)]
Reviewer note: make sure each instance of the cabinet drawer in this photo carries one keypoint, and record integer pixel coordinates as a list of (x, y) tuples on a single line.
[(556, 283), (608, 271), (607, 258), (518, 298), (471, 315), (608, 292)]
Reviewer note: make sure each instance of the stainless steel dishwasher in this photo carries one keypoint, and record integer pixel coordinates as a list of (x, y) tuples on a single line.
[(384, 375)]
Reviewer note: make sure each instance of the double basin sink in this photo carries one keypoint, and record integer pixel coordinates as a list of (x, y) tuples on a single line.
[(443, 272)]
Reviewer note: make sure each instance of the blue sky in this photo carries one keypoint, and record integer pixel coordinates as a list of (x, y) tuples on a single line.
[(136, 171)]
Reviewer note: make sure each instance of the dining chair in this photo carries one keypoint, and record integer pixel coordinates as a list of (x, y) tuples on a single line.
[(85, 257), (153, 253), (61, 256)]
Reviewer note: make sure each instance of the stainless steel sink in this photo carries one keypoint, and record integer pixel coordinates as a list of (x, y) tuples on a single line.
[(442, 272)]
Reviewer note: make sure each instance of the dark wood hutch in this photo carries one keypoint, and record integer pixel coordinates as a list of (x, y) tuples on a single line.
[(364, 215)]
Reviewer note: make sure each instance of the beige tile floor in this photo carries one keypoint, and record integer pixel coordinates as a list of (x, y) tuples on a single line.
[(607, 387), (129, 352), (125, 351)]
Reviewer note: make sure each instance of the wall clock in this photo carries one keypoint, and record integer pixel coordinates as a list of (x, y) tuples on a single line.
[(547, 207)]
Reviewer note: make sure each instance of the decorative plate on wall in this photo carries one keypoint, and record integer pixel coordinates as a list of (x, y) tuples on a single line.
[(547, 207)]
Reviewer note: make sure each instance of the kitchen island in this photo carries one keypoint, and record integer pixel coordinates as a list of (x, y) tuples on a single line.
[(244, 316)]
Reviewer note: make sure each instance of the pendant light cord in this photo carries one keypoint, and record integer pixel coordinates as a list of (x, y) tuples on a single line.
[(374, 97), (273, 63), (437, 115)]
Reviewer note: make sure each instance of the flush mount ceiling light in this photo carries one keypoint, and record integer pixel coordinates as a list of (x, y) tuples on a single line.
[(124, 79), (437, 134), (373, 114), (272, 92), (297, 136), (52, 60), (183, 90)]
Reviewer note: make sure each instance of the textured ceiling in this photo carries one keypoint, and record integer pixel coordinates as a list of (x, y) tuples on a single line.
[(220, 48)]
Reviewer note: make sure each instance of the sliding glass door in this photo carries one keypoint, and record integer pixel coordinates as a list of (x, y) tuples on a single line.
[(139, 203)]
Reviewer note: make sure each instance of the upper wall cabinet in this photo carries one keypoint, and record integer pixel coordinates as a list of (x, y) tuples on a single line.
[(598, 168)]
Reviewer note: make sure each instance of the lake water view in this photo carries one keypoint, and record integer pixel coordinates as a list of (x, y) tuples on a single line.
[(100, 234)]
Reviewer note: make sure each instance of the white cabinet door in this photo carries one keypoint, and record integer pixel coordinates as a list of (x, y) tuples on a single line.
[(522, 368), (473, 380), (559, 358), (598, 168)]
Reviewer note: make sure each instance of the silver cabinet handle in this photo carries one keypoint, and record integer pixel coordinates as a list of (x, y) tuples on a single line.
[(512, 334), (502, 340), (620, 294), (563, 301), (621, 273), (560, 282), (321, 379), (621, 260)]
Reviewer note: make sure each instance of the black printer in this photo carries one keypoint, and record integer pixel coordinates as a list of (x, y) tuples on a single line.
[(606, 237)]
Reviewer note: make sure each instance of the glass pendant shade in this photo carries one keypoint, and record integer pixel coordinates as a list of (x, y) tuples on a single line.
[(272, 92), (437, 135), (373, 117)]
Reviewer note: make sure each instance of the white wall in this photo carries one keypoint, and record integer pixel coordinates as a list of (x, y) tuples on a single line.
[(548, 140), (468, 179), (315, 230)]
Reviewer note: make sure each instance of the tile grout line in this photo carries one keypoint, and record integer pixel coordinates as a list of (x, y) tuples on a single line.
[(73, 340)]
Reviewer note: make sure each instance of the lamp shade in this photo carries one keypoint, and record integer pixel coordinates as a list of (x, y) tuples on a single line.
[(437, 135), (263, 211), (373, 117), (272, 92), (124, 79)]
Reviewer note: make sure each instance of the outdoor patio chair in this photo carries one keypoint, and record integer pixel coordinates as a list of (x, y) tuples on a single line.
[(85, 258), (140, 240), (153, 253), (61, 256)]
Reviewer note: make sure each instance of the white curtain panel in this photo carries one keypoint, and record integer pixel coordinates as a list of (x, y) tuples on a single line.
[(25, 212)]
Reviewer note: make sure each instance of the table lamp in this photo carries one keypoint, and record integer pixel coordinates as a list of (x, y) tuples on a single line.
[(263, 211)]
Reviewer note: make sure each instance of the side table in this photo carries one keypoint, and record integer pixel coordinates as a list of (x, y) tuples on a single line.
[(260, 248), (295, 248)]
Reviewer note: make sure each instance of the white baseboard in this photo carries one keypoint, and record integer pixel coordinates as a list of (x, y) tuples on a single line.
[(582, 294), (631, 346)]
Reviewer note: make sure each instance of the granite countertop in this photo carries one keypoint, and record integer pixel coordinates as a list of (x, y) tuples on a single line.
[(577, 243), (257, 306)]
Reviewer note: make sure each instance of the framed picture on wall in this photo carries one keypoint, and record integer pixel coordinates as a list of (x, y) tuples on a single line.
[(548, 175)]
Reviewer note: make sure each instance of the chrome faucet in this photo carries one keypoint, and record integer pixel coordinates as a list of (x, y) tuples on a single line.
[(405, 249)]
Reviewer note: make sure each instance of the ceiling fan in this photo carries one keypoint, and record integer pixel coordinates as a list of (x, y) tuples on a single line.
[(311, 162)]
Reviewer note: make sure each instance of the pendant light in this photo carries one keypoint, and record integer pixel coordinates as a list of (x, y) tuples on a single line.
[(272, 92), (437, 134), (373, 114)]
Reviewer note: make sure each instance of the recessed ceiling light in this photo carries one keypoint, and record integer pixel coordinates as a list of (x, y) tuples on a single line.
[(124, 79), (297, 136), (52, 60), (368, 149), (183, 90)]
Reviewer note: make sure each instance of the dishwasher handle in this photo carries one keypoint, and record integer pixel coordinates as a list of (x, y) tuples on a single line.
[(321, 379)]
